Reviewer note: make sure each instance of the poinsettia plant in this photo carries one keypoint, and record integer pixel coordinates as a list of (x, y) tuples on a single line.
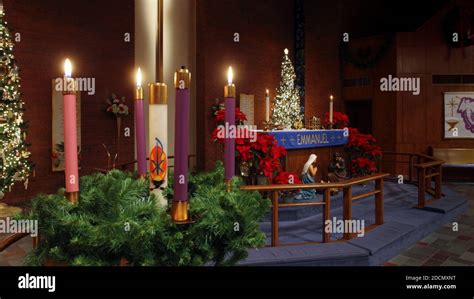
[(267, 155), (339, 120), (287, 178), (263, 153), (363, 153), (219, 120)]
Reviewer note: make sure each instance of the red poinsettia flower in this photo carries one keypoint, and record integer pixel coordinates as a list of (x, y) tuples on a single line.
[(284, 178), (339, 120)]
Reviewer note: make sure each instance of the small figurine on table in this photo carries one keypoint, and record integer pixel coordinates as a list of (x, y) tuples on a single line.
[(307, 177), (337, 169)]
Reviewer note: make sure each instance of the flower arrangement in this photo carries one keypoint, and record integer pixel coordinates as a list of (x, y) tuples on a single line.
[(363, 152), (117, 106), (339, 120), (264, 155)]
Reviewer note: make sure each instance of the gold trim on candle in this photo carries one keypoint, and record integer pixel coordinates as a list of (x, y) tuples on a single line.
[(139, 94), (72, 197), (182, 76), (179, 211), (229, 91), (158, 93)]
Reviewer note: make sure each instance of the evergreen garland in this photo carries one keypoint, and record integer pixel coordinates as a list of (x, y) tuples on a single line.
[(366, 58), (94, 232)]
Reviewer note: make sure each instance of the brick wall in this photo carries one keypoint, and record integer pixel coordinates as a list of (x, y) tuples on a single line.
[(91, 34)]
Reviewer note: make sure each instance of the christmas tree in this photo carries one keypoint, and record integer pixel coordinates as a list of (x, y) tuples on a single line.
[(14, 154), (286, 110)]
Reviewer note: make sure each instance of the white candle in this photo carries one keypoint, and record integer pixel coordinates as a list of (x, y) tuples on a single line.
[(331, 99), (267, 106)]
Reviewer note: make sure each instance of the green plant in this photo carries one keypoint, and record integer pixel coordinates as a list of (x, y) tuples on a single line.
[(117, 218)]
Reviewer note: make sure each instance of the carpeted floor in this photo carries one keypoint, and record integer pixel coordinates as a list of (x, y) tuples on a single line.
[(445, 247)]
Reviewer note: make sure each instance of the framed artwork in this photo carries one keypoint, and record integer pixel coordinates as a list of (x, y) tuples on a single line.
[(57, 154), (458, 115), (247, 106)]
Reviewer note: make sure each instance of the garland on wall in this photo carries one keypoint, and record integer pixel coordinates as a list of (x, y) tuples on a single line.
[(366, 57), (461, 21)]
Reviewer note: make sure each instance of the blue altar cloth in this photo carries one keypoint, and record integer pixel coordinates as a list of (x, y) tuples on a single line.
[(294, 139)]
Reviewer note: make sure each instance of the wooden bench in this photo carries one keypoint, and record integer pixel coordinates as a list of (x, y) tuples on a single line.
[(459, 164)]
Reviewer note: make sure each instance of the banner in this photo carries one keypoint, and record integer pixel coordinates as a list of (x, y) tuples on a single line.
[(295, 139)]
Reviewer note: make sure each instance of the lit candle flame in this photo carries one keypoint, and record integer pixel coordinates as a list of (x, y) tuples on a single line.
[(139, 78), (286, 51), (331, 97), (267, 92), (67, 68), (230, 75)]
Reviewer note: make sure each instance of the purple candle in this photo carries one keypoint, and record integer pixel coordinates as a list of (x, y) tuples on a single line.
[(179, 209), (229, 146), (140, 127)]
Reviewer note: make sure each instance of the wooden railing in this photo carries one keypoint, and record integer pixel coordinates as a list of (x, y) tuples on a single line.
[(427, 170), (346, 186)]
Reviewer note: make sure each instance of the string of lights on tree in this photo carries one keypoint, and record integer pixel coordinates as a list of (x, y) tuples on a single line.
[(14, 154), (286, 109)]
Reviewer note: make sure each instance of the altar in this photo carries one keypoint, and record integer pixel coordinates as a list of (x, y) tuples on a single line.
[(302, 143)]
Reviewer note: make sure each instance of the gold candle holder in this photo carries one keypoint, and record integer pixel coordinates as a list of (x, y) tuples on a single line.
[(179, 212), (72, 197)]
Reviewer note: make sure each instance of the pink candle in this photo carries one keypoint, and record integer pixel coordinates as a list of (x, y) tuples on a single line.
[(70, 136), (229, 146), (140, 127)]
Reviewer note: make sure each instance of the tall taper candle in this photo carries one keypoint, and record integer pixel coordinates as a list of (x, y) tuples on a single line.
[(331, 104), (158, 129), (179, 209), (267, 106), (70, 136), (229, 146), (140, 126)]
